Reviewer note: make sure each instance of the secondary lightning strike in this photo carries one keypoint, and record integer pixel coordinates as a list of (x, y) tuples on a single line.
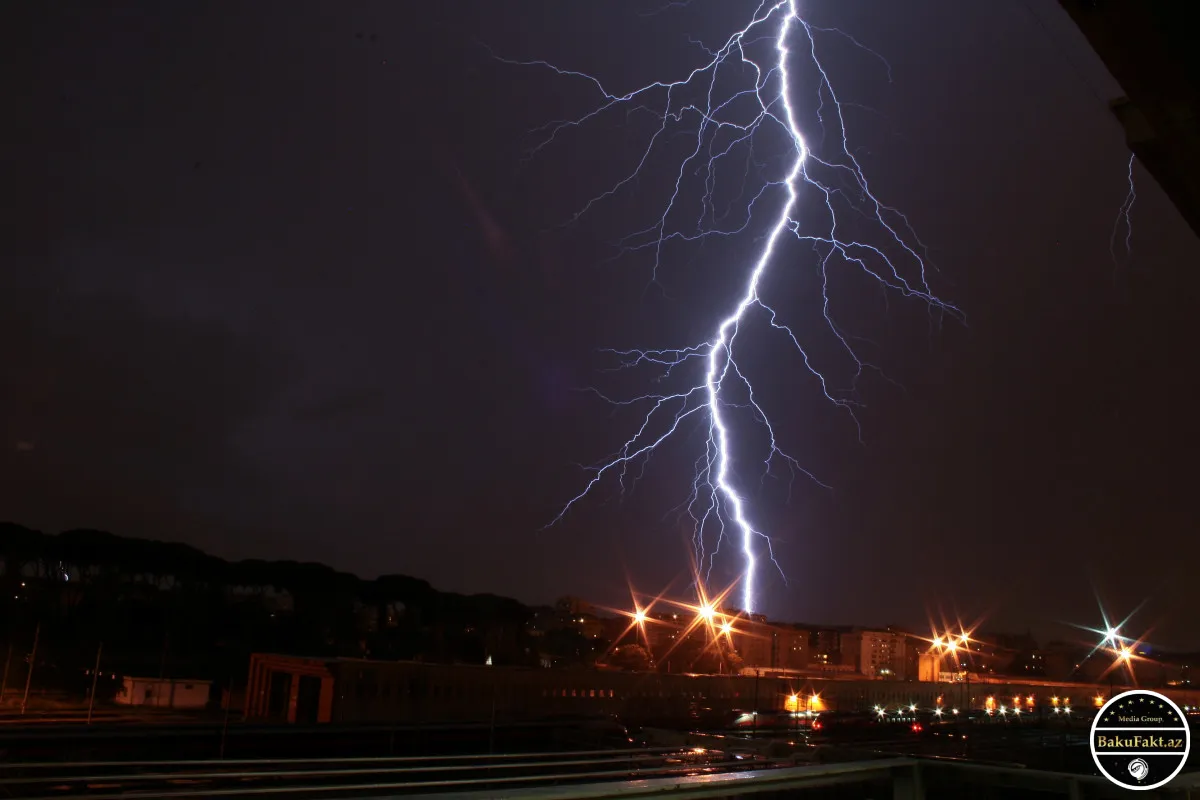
[(1124, 216), (715, 500)]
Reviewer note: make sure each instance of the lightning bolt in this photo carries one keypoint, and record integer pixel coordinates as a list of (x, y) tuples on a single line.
[(736, 103), (1123, 216)]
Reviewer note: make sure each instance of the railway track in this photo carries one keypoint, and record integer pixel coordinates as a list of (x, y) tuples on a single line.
[(352, 777)]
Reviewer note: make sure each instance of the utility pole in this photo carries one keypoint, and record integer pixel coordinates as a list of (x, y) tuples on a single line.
[(228, 706), (4, 681), (492, 725), (754, 719), (162, 670), (95, 676), (32, 660)]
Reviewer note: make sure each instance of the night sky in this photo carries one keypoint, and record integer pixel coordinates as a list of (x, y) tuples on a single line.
[(279, 284)]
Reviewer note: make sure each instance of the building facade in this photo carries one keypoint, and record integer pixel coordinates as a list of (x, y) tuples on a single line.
[(290, 689), (164, 693), (882, 654)]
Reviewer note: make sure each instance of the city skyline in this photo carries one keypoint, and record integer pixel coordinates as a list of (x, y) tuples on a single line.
[(308, 300), (59, 559)]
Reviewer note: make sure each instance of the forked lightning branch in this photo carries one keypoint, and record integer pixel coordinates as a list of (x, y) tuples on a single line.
[(810, 200)]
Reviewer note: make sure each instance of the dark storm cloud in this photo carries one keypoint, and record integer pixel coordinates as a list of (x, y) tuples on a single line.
[(116, 416), (364, 401), (282, 284)]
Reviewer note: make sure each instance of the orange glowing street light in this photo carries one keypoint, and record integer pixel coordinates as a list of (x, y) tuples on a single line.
[(949, 642)]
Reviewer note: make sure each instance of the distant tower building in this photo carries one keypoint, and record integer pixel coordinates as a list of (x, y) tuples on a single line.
[(883, 654), (573, 607)]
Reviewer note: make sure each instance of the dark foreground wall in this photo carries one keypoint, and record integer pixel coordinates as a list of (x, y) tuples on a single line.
[(1149, 47)]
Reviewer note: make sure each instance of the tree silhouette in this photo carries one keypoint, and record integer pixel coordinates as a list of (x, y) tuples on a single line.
[(168, 606), (632, 657)]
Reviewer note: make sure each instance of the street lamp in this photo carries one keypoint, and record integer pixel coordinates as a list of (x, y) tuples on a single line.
[(1124, 657)]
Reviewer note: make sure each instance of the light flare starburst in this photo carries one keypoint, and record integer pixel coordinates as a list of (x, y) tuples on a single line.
[(752, 69)]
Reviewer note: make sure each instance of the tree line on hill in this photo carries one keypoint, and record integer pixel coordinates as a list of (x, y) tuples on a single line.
[(163, 608)]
